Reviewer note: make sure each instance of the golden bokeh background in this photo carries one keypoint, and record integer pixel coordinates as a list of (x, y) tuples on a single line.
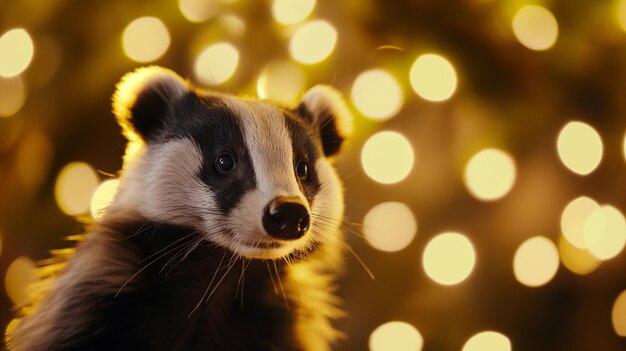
[(485, 183)]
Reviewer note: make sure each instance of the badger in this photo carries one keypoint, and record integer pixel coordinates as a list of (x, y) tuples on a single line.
[(225, 233)]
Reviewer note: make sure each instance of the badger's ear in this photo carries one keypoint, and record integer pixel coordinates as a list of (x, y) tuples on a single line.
[(324, 107), (143, 99)]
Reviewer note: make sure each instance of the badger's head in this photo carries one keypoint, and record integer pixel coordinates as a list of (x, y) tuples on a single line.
[(250, 176)]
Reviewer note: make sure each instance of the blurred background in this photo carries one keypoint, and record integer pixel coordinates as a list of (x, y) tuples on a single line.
[(484, 184)]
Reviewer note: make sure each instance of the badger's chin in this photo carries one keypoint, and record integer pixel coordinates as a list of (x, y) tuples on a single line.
[(269, 249)]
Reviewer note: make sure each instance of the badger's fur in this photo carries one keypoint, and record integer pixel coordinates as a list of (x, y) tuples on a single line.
[(183, 259)]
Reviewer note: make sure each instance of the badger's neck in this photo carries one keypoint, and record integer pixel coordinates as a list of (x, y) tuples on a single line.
[(191, 294)]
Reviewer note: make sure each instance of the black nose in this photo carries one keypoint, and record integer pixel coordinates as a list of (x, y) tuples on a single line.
[(286, 218)]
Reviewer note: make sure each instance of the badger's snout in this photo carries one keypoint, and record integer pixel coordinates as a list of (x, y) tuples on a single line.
[(286, 218)]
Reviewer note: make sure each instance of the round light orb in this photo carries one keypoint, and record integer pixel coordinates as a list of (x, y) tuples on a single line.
[(618, 314), (490, 174), (387, 157), (536, 261), (291, 11), (377, 95), (449, 258), (145, 39), (74, 188), (621, 14), (577, 260), (396, 336), (281, 81), (488, 341), (198, 10), (535, 27), (17, 51), (313, 42), (18, 279), (217, 63), (580, 147), (604, 232), (433, 77), (390, 226), (103, 197), (574, 217), (12, 95)]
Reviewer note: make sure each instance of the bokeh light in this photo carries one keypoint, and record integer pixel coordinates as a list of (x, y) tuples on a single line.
[(618, 314), (145, 39), (488, 341), (579, 147), (198, 10), (449, 258), (74, 188), (573, 219), (376, 94), (291, 11), (396, 336), (535, 27), (605, 232), (433, 77), (390, 226), (17, 51), (281, 81), (217, 63), (18, 278), (536, 261), (103, 197), (387, 157), (313, 42), (12, 95), (490, 174), (621, 14), (577, 260)]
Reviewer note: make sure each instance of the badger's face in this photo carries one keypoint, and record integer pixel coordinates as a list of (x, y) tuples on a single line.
[(248, 175)]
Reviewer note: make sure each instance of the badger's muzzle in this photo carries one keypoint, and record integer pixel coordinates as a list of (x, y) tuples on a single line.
[(286, 218)]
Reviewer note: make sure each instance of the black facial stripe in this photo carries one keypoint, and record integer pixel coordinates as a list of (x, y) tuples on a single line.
[(306, 146), (215, 129)]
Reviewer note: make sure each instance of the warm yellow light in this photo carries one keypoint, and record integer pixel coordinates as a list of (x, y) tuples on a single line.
[(449, 258), (433, 77), (197, 10), (387, 157), (618, 314), (8, 332), (145, 39), (12, 95), (19, 276), (579, 147), (396, 336), (313, 42), (577, 260), (621, 14), (536, 261), (488, 341), (103, 197), (573, 219), (292, 11), (390, 226), (17, 51), (535, 27), (490, 174), (605, 232), (281, 81), (232, 25), (74, 187), (217, 63), (377, 94)]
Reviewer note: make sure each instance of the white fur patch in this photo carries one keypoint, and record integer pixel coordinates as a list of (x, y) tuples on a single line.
[(323, 99)]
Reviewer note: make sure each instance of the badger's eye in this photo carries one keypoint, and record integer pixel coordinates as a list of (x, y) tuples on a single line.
[(302, 169), (225, 163)]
